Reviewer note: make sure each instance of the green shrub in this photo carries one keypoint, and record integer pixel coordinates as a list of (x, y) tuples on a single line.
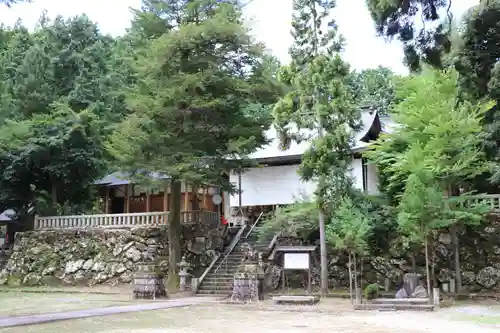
[(371, 291)]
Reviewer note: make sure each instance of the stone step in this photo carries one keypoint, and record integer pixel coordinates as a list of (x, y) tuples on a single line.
[(307, 299), (212, 292), (220, 274), (217, 279), (216, 283), (412, 301), (213, 288), (212, 295), (394, 307), (237, 262)]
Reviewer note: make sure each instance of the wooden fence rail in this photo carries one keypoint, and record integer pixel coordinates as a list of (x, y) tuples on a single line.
[(129, 220), (490, 200)]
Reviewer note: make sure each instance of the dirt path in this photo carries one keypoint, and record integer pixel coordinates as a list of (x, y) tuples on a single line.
[(52, 317), (328, 316), (420, 322)]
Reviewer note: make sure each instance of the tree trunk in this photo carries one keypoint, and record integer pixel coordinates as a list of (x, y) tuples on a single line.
[(413, 262), (174, 236), (194, 192), (350, 278), (361, 273), (53, 199), (432, 248), (355, 272), (427, 270), (456, 251)]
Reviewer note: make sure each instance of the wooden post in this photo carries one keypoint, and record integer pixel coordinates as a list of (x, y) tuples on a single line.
[(309, 273), (127, 199), (148, 201), (283, 276), (165, 198), (106, 201), (204, 205), (186, 197)]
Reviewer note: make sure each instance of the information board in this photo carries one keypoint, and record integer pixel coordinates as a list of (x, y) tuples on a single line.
[(296, 260)]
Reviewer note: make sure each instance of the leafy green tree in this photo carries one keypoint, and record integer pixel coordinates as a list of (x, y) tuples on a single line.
[(374, 88), (419, 208), (60, 93), (349, 231), (318, 99), (428, 41), (189, 107), (299, 219), (476, 61), (441, 151), (44, 157)]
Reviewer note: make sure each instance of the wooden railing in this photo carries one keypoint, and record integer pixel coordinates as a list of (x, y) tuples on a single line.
[(121, 220), (490, 200)]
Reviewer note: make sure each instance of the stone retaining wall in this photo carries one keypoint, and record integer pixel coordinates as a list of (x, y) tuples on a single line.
[(96, 256), (479, 254)]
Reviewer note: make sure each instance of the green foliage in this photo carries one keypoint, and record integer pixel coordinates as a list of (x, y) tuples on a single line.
[(436, 134), (199, 98), (439, 147), (349, 228), (382, 218), (61, 92), (373, 88), (371, 291), (476, 61), (428, 41), (297, 220), (318, 97)]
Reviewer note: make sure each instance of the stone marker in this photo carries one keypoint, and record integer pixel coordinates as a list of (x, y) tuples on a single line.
[(411, 282)]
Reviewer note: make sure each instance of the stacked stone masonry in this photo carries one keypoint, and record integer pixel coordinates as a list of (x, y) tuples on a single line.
[(479, 255), (89, 257)]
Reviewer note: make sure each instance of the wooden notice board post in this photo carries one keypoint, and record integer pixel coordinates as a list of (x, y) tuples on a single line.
[(297, 258)]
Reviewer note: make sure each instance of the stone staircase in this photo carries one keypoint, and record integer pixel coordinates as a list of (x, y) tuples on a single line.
[(219, 280)]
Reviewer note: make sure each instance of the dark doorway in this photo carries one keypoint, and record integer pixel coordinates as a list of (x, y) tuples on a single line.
[(117, 206)]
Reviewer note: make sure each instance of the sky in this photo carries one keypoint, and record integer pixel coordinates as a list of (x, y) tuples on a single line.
[(269, 20)]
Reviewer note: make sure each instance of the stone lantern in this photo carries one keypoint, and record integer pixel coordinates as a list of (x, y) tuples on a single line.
[(183, 273)]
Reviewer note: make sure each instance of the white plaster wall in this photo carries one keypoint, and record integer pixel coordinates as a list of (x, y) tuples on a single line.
[(281, 185), (372, 179), (272, 185), (357, 173)]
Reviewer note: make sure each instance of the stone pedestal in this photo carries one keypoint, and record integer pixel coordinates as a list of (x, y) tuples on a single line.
[(358, 294), (412, 288), (387, 284), (148, 283), (436, 297), (453, 285), (245, 289)]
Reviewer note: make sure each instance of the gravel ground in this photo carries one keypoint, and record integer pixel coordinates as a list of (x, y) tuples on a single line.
[(328, 316)]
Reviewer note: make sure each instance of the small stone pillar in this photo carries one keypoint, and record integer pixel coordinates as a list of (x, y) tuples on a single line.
[(183, 273), (436, 297), (194, 284), (452, 286), (387, 284), (358, 296)]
